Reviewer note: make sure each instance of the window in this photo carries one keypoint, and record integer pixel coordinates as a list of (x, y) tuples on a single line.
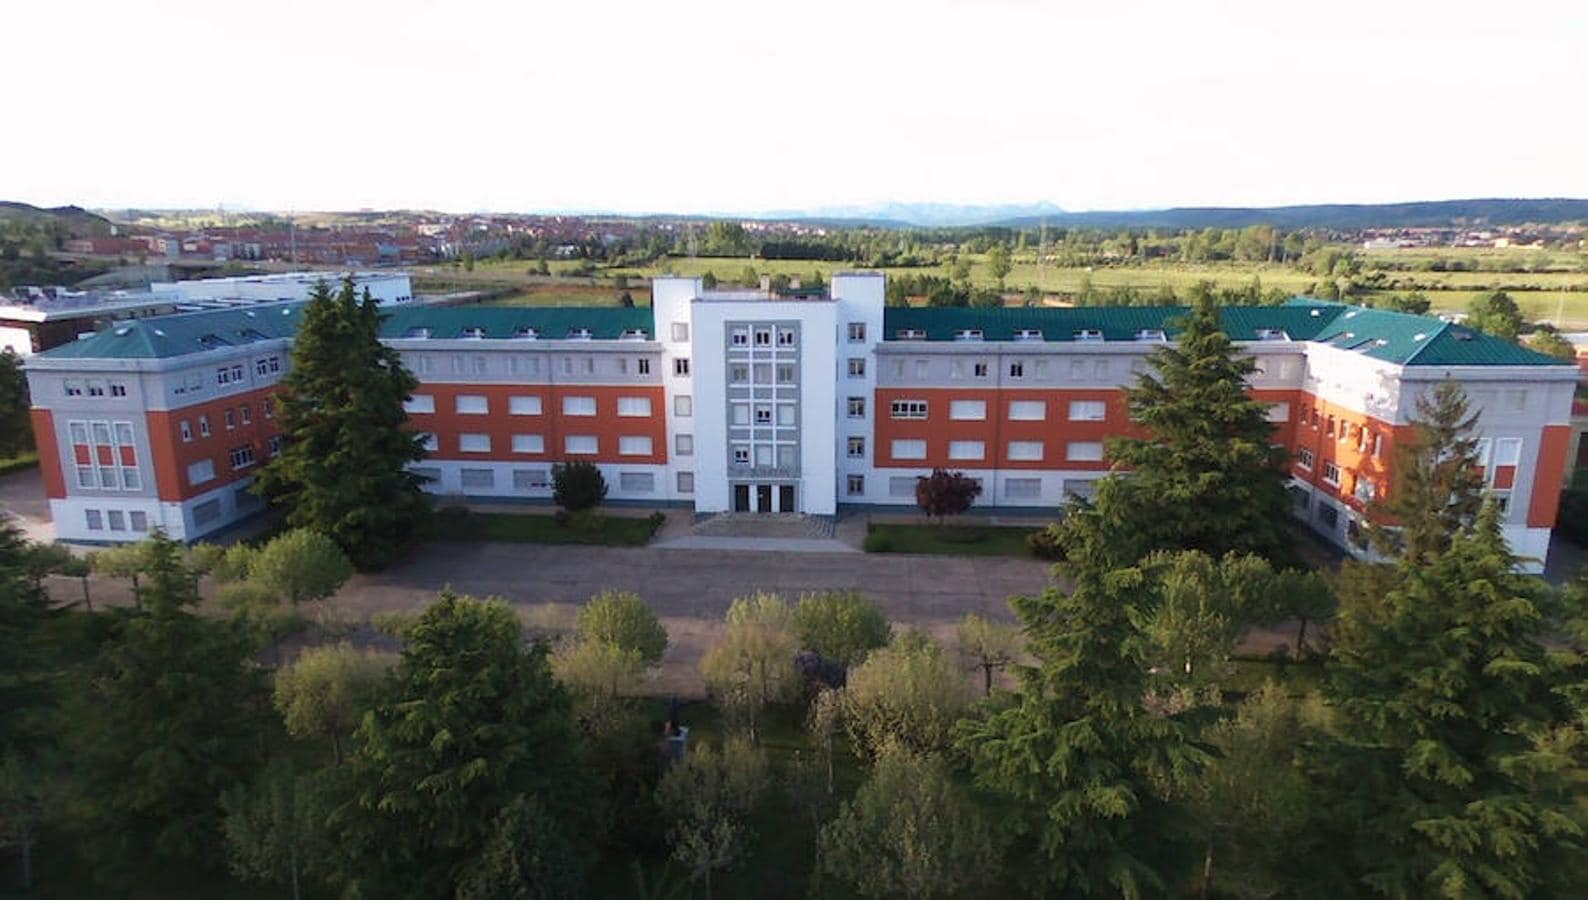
[(785, 337), (634, 406), (531, 479), (857, 335), (117, 520), (855, 485), (246, 414), (1088, 410), (207, 512), (785, 456), (763, 415), (429, 477), (967, 450), (1025, 451), (680, 332), (1017, 369), (200, 472), (1089, 334), (1279, 412), (763, 337), (909, 449), (1028, 410), (741, 454), (94, 519), (1028, 334), (972, 410), (763, 454), (267, 408), (1365, 491), (187, 431), (857, 367), (1329, 428), (474, 443), (1084, 451), (910, 334), (740, 337), (968, 334), (1378, 446), (686, 482), (857, 407), (901, 486), (529, 443), (267, 365), (117, 389), (785, 373), (684, 444), (634, 445), (637, 482), (642, 366), (137, 520), (909, 409), (578, 406), (427, 440), (785, 414), (740, 413), (230, 419), (1022, 488), (273, 444), (581, 444), (857, 448), (1331, 474), (1304, 458), (72, 388), (979, 369), (85, 476), (589, 365), (683, 406), (523, 406), (681, 366), (1085, 488), (472, 405), (738, 374), (476, 478), (762, 373), (242, 457)]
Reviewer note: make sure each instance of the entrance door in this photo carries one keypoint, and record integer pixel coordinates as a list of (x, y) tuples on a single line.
[(763, 497), (741, 498), (785, 498)]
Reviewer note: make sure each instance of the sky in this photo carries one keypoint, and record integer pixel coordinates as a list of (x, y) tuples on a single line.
[(744, 106)]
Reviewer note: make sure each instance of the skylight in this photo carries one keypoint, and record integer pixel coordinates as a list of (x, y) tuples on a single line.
[(1151, 334), (579, 334), (1028, 334), (910, 334), (525, 333), (1272, 334), (472, 332), (968, 334), (1089, 334)]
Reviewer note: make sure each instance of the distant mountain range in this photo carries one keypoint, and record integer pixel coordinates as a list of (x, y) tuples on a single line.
[(78, 222), (1331, 215)]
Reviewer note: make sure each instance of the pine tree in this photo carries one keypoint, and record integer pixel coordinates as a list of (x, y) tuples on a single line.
[(16, 428), (1456, 771), (1207, 476), (341, 471), (1079, 753), (1437, 487)]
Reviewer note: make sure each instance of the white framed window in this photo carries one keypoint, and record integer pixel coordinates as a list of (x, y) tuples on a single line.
[(583, 444), (901, 486), (529, 443), (246, 414), (524, 406), (785, 337), (973, 410), (684, 444), (230, 419), (763, 415), (739, 413), (474, 443), (472, 405), (94, 519), (785, 372), (967, 450), (855, 485), (857, 367), (856, 447), (763, 455), (137, 520), (785, 414), (683, 405), (1365, 490), (741, 454), (1028, 410), (634, 445), (763, 337), (241, 457), (681, 366), (785, 456), (1279, 412), (1088, 410), (118, 389), (637, 482), (1084, 451), (1022, 488), (1304, 458), (201, 471), (578, 406), (912, 448), (186, 430), (1331, 474), (1026, 451), (1507, 452), (857, 332), (634, 406), (680, 332), (1017, 369), (740, 337), (686, 482), (979, 369), (738, 374), (762, 373), (908, 409), (531, 479), (476, 478), (857, 407)]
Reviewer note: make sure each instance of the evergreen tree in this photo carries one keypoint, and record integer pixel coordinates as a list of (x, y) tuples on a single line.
[(24, 609), (16, 425), (1207, 475), (1457, 770), (1087, 765), (165, 718), (467, 772), (341, 471), (1437, 487)]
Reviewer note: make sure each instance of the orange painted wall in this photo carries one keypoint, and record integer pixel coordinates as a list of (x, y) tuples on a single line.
[(1549, 476), (606, 425), (49, 453), (1354, 464), (172, 455), (996, 431)]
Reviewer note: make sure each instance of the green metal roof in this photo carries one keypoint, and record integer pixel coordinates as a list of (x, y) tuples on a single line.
[(605, 323), (179, 334)]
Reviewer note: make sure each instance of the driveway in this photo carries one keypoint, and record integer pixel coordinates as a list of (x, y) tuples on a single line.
[(22, 498)]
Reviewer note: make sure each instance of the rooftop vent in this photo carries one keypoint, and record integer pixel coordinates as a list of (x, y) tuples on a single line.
[(1089, 334), (910, 334), (632, 334), (1028, 334), (968, 334), (1419, 336), (579, 334), (525, 333), (1272, 334), (123, 331), (418, 331), (1151, 334), (1352, 313), (473, 333), (211, 341), (1316, 313)]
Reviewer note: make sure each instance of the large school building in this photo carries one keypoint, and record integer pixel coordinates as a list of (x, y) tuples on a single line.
[(753, 401)]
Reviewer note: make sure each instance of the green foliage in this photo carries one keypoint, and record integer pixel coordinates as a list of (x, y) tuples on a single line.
[(1496, 313), (1457, 771), (1208, 477), (301, 566), (753, 664), (989, 646), (998, 264), (464, 774), (707, 797), (598, 670), (1200, 609), (908, 695), (272, 826), (16, 425), (944, 493), (877, 542), (342, 471), (622, 619), (1545, 339), (1437, 488), (578, 485), (840, 626), (324, 692), (25, 662), (910, 831)]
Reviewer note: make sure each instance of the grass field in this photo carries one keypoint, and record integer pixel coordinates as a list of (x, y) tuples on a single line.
[(948, 539)]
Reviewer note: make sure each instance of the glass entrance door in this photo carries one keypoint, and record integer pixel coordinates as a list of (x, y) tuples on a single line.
[(785, 498), (741, 498)]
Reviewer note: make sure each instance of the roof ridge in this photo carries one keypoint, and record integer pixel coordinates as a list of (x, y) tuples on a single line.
[(1439, 332)]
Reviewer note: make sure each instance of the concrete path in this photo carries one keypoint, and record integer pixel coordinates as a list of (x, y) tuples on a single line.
[(22, 499)]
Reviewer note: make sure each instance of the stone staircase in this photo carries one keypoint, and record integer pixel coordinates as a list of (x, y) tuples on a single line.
[(773, 526)]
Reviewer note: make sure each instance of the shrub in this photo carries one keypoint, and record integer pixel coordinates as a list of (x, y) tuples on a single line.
[(841, 626), (657, 520), (1044, 544), (578, 485), (622, 620), (945, 493)]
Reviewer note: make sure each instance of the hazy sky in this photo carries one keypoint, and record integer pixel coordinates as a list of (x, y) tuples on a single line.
[(746, 105)]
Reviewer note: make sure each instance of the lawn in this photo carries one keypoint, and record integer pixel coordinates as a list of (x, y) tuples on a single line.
[(949, 539), (531, 528), (18, 463)]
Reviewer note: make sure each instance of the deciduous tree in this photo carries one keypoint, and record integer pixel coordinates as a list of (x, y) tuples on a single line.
[(1496, 313), (325, 691), (272, 826), (578, 485), (623, 620), (908, 694), (840, 626), (753, 664), (707, 797), (989, 646), (16, 424), (944, 493)]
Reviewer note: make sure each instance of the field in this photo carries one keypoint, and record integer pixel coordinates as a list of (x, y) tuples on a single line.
[(1549, 286)]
